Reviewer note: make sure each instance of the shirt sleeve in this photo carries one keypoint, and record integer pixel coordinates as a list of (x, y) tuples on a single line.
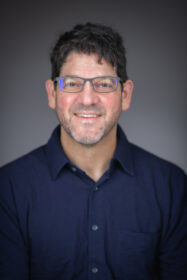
[(173, 249), (13, 251)]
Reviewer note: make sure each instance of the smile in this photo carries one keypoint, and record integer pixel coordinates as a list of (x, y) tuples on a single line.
[(83, 115)]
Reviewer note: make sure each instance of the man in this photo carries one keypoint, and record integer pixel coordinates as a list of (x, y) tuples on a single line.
[(89, 204)]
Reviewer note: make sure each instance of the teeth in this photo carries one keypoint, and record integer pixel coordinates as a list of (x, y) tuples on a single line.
[(86, 115)]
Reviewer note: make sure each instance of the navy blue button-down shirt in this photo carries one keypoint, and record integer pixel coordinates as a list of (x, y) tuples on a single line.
[(56, 223)]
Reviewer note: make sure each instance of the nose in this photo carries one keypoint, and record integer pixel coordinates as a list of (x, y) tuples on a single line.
[(88, 96)]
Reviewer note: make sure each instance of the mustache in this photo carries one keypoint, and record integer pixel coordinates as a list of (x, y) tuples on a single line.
[(91, 108)]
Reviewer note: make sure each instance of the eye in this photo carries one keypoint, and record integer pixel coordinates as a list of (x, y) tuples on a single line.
[(72, 83), (105, 84)]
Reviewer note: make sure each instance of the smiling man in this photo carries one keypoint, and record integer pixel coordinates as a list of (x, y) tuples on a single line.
[(88, 110), (89, 204)]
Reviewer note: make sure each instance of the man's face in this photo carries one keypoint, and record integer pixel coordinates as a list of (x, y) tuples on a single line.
[(87, 116)]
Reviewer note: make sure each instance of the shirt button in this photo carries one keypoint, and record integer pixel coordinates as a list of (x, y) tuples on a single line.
[(94, 269), (73, 169), (94, 227), (96, 189)]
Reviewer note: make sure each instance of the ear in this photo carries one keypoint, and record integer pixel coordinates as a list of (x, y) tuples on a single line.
[(127, 94), (51, 92)]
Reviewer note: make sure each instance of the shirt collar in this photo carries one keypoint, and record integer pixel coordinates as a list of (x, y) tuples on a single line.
[(57, 159), (123, 152), (55, 155)]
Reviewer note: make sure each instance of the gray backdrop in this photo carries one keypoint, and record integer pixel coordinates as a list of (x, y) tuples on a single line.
[(154, 33)]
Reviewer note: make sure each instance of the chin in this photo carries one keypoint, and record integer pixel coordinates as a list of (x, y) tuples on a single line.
[(87, 136), (88, 139)]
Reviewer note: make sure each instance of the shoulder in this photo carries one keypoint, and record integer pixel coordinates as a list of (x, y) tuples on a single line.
[(144, 163), (18, 178), (23, 165), (162, 179), (151, 165)]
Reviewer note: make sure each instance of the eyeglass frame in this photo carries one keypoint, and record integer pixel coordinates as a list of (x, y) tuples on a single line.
[(117, 80)]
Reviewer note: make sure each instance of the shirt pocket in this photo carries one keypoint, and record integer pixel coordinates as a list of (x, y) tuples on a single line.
[(136, 255)]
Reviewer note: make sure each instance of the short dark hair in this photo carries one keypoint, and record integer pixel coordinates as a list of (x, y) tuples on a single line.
[(90, 38)]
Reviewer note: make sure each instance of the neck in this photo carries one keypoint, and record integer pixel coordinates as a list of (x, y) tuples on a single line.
[(95, 159)]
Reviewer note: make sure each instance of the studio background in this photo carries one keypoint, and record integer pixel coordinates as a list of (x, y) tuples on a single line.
[(154, 34)]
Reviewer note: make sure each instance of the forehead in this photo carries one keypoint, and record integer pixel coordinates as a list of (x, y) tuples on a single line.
[(86, 65)]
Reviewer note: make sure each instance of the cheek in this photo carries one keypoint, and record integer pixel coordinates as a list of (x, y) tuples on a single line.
[(112, 103), (65, 101)]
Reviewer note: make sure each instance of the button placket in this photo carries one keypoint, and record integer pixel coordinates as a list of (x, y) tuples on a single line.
[(94, 270), (93, 233), (74, 169), (95, 227)]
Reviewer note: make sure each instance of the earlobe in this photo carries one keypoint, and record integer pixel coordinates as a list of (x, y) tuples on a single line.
[(51, 92), (127, 95)]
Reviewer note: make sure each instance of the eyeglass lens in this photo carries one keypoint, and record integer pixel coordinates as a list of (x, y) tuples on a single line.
[(76, 84)]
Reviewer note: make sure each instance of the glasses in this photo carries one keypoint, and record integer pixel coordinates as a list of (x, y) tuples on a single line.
[(102, 84)]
